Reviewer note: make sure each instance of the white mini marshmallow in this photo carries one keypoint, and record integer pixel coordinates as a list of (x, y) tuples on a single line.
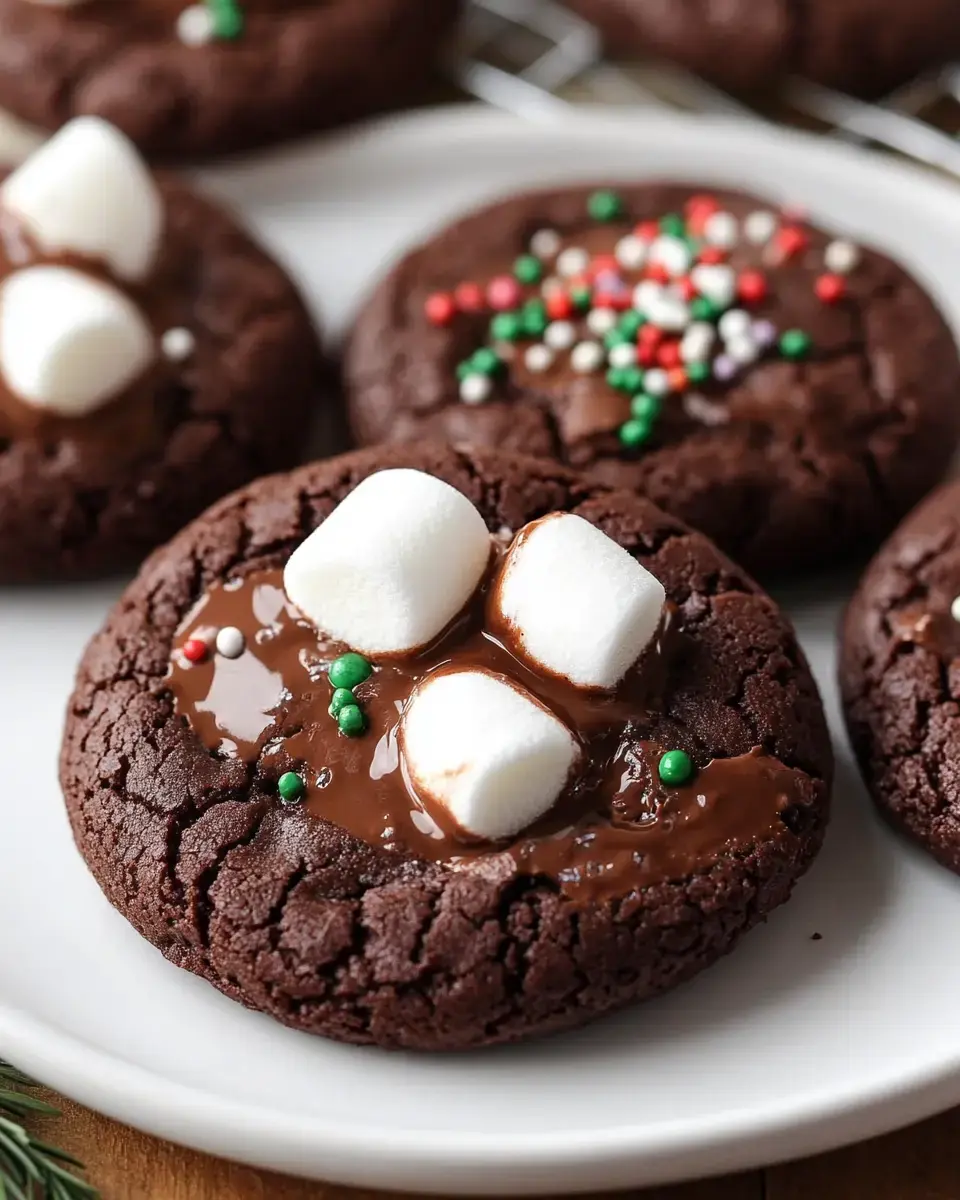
[(88, 190), (575, 602), (486, 750), (69, 342), (392, 564)]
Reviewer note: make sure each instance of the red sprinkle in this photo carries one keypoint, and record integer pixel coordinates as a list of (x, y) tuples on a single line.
[(698, 210), (791, 241), (503, 293), (559, 306), (686, 288), (658, 273), (649, 231), (649, 335), (195, 650), (619, 301), (440, 308), (712, 255), (602, 263), (677, 379), (647, 355), (668, 354), (830, 288), (751, 287), (469, 297)]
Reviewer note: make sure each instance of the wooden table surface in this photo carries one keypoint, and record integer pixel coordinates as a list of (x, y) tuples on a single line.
[(920, 1163)]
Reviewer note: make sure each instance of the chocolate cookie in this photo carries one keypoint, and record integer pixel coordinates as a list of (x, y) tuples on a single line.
[(789, 393), (273, 848), (898, 675), (864, 46), (158, 364), (188, 79)]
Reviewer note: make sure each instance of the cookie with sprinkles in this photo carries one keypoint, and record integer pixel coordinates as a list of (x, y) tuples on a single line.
[(900, 676), (192, 78), (152, 358), (420, 747), (786, 390)]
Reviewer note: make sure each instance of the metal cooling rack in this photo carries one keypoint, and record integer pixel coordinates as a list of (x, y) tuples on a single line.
[(535, 58)]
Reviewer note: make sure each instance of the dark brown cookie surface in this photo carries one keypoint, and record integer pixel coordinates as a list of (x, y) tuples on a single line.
[(296, 67), (89, 495), (788, 462), (898, 674), (294, 916), (864, 46)]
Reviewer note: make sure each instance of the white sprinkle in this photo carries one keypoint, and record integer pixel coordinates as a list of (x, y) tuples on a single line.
[(230, 642), (572, 261), (671, 313), (656, 382), (734, 324), (551, 285), (697, 342), (624, 355), (560, 335), (671, 253), (545, 243), (601, 320), (587, 357), (177, 344), (720, 229), (841, 257), (631, 252), (955, 609), (474, 389), (196, 25), (538, 358), (759, 227), (646, 296), (715, 281), (742, 349)]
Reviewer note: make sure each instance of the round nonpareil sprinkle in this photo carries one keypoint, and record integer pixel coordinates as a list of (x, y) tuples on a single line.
[(759, 227), (230, 642), (572, 262), (291, 787), (841, 257), (177, 344), (474, 389), (587, 357), (546, 243), (349, 670), (675, 768), (560, 335), (955, 609), (195, 650), (605, 205), (538, 358)]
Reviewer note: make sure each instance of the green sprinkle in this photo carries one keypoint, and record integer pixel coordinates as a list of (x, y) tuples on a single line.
[(227, 19), (702, 309), (535, 319), (615, 378), (634, 433), (340, 699), (794, 343), (351, 720), (581, 297), (630, 323), (485, 362), (632, 380), (616, 337), (646, 408), (528, 269), (349, 670), (673, 225), (698, 372), (605, 206), (291, 787), (464, 369), (676, 767), (506, 327)]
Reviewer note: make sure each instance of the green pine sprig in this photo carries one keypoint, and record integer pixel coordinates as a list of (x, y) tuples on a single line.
[(31, 1169)]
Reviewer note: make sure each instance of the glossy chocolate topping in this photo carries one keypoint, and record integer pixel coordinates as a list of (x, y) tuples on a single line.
[(154, 15), (614, 829)]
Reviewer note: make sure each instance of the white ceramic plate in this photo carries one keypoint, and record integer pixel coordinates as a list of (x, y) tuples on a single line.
[(791, 1045)]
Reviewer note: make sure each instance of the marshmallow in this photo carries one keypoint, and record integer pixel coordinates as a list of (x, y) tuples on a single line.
[(88, 191), (392, 565), (69, 342), (17, 140), (574, 602), (486, 750)]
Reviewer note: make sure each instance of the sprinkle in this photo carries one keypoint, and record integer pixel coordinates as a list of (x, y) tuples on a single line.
[(697, 342), (794, 343), (752, 287), (712, 256), (559, 306), (196, 25), (734, 323), (630, 323), (705, 309), (485, 362), (624, 355), (475, 389), (177, 344), (675, 768), (631, 379), (677, 378), (791, 241), (572, 262), (720, 229), (587, 357), (634, 433), (468, 297), (724, 368), (503, 293), (646, 408), (195, 650), (716, 283), (534, 318), (672, 254), (601, 320), (351, 720), (656, 382), (668, 354), (764, 333), (742, 349), (647, 231), (830, 288), (581, 296), (538, 358), (605, 205), (528, 269), (230, 642), (698, 372), (291, 787), (631, 252), (955, 609), (340, 699), (349, 670), (227, 18), (506, 327), (673, 225), (546, 243), (841, 257), (560, 335), (759, 227)]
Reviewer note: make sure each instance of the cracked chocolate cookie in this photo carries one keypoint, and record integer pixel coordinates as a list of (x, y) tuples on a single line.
[(192, 79), (787, 392), (900, 651), (333, 752), (864, 46), (152, 358)]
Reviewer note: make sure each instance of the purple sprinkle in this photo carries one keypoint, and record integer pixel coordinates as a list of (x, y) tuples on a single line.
[(724, 367), (764, 333), (609, 281)]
